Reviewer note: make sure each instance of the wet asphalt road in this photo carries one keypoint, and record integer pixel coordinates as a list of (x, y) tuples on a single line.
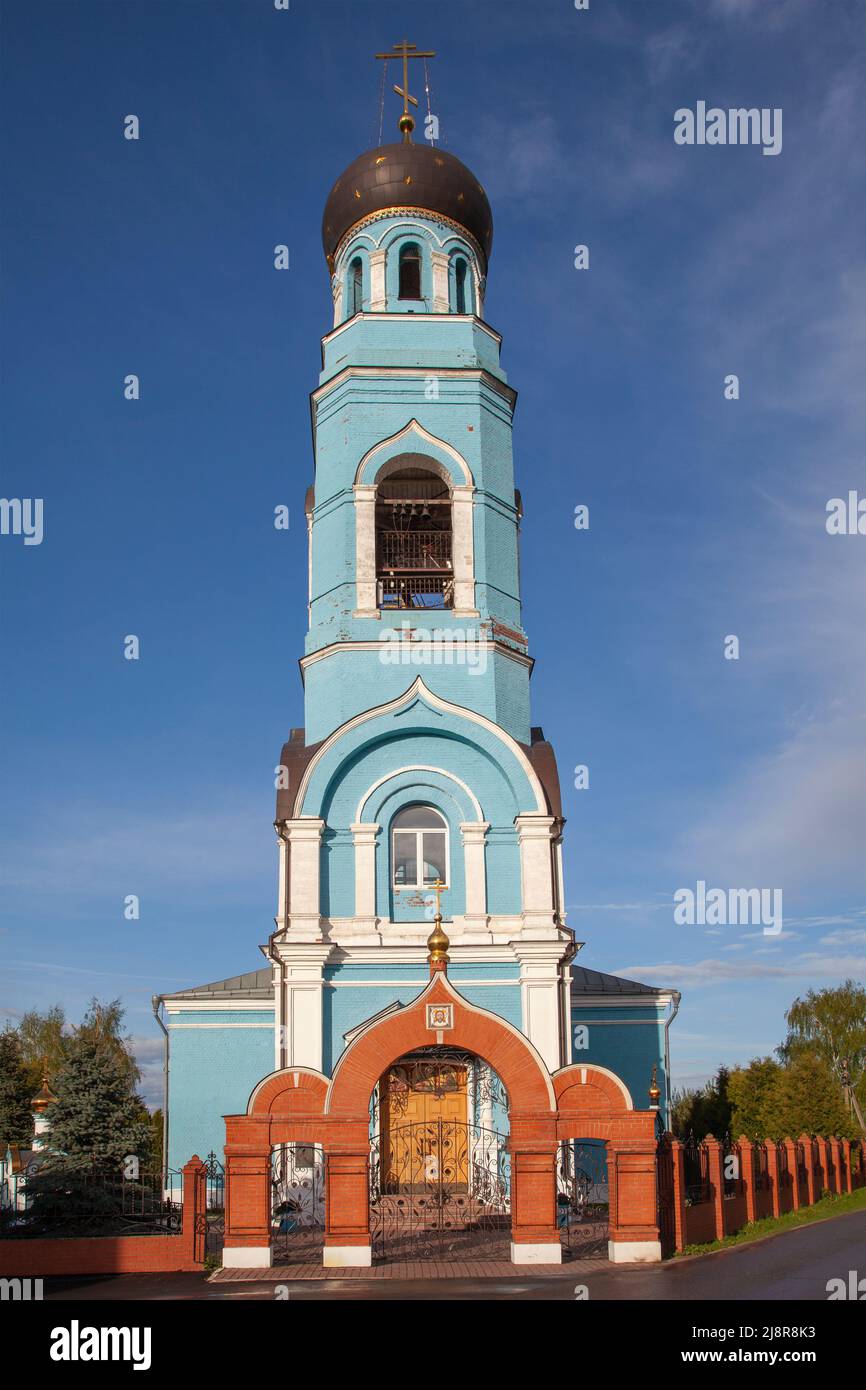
[(791, 1267)]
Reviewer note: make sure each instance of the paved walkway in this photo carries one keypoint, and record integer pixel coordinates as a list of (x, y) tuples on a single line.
[(412, 1269)]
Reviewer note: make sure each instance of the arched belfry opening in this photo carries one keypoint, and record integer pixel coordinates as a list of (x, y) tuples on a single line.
[(414, 540)]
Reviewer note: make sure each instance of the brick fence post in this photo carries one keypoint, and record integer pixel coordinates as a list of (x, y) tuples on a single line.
[(809, 1160), (793, 1171), (747, 1172), (193, 1230), (773, 1173), (836, 1154), (824, 1160), (846, 1159), (717, 1183), (679, 1194)]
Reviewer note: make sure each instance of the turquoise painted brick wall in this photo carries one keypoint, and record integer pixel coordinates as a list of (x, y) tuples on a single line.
[(212, 1071), (627, 1042)]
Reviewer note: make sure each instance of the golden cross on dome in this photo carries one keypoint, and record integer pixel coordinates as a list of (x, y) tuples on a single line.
[(405, 50), (439, 888)]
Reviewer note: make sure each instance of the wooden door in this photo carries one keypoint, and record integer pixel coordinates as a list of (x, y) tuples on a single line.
[(423, 1130)]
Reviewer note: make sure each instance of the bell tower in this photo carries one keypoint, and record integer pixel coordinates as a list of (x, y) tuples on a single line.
[(418, 762)]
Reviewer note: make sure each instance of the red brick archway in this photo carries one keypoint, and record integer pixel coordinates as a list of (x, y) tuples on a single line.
[(593, 1103), (301, 1105), (532, 1142)]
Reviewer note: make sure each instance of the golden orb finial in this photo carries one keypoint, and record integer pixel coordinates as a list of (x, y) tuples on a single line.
[(437, 941), (654, 1091), (46, 1096)]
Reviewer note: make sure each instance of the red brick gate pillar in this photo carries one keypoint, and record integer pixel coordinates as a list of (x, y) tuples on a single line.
[(631, 1177), (248, 1207), (535, 1237), (347, 1198)]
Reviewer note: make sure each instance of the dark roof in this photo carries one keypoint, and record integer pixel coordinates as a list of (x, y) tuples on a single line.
[(406, 176), (585, 981), (256, 984)]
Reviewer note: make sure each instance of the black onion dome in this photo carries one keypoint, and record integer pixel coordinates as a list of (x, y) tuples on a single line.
[(407, 176)]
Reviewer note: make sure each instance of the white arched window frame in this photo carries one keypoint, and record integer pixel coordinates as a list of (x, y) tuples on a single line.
[(420, 848), (462, 530)]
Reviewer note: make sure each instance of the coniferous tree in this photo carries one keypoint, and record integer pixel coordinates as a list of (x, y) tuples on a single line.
[(98, 1117), (16, 1092)]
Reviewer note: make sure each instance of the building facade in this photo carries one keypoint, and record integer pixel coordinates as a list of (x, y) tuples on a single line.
[(417, 784)]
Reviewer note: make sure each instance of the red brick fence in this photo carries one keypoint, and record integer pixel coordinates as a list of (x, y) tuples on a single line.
[(711, 1189), (136, 1254)]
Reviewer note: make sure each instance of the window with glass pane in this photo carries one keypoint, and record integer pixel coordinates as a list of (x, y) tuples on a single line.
[(419, 848)]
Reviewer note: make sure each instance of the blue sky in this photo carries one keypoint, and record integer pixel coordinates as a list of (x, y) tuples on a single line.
[(707, 516)]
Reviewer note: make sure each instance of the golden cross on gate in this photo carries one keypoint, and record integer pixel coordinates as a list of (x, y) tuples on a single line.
[(405, 50)]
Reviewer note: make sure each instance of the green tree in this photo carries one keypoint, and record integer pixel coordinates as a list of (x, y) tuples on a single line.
[(16, 1092), (809, 1101), (754, 1094), (704, 1111), (157, 1127), (103, 1023), (43, 1041), (831, 1024), (98, 1116)]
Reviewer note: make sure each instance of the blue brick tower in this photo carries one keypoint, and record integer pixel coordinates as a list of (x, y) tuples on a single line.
[(418, 764)]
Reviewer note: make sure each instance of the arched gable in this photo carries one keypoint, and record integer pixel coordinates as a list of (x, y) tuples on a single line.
[(502, 1046), (414, 717), (414, 439)]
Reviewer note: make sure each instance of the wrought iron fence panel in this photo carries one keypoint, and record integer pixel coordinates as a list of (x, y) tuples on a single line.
[(732, 1177), (762, 1171), (64, 1199), (696, 1168)]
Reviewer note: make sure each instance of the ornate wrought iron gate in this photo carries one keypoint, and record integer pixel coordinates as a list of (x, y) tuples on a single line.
[(665, 1193), (297, 1203), (582, 1199), (213, 1218), (440, 1190)]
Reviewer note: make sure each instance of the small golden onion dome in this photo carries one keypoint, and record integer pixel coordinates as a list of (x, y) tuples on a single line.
[(45, 1097), (437, 943)]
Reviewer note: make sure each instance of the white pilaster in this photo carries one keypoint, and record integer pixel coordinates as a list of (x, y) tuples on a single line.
[(300, 1028), (365, 551), (304, 863), (473, 832), (538, 901), (439, 261), (378, 301), (365, 869), (541, 997), (463, 550)]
